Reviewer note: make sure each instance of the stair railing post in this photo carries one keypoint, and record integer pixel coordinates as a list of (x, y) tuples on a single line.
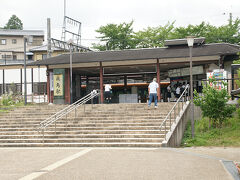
[(165, 131), (55, 128), (170, 119), (92, 99), (174, 113), (182, 102), (43, 134), (84, 107), (66, 114), (75, 112)]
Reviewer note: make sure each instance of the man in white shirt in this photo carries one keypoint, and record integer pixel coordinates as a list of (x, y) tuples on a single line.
[(152, 90), (178, 92), (107, 92)]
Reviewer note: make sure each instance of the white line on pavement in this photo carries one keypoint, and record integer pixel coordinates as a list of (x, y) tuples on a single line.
[(55, 165)]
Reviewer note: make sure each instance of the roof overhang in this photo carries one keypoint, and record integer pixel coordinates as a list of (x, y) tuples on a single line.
[(135, 62)]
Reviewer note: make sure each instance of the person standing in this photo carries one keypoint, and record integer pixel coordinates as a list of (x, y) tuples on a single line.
[(107, 92), (178, 91), (169, 93), (152, 90)]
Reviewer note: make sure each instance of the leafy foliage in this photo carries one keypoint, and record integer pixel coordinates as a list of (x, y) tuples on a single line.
[(237, 61), (10, 99), (213, 104), (228, 135), (122, 36), (116, 37), (154, 37), (14, 23)]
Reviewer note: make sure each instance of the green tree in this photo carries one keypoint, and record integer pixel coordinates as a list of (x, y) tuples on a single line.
[(229, 33), (116, 37), (213, 103), (122, 36), (153, 37), (14, 23), (200, 30)]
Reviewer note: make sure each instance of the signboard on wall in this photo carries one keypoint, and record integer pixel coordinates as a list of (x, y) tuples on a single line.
[(185, 71), (58, 84), (219, 75)]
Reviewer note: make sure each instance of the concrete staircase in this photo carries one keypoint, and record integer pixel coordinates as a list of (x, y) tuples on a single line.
[(100, 125)]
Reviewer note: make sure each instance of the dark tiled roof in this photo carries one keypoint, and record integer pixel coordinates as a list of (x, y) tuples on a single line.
[(141, 54), (17, 32)]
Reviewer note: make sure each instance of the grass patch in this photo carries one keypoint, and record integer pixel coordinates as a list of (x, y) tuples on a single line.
[(6, 109), (228, 135)]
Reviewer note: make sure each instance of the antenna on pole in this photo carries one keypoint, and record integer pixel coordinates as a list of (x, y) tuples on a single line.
[(63, 38), (230, 18), (68, 31)]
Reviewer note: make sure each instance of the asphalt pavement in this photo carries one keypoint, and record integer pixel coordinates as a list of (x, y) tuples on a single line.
[(116, 163)]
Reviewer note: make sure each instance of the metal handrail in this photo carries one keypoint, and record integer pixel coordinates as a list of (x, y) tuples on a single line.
[(176, 105), (44, 124)]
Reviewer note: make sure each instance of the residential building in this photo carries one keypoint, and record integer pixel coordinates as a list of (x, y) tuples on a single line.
[(12, 44), (40, 52)]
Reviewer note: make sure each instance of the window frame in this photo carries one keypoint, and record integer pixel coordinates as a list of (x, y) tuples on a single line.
[(14, 41), (1, 40)]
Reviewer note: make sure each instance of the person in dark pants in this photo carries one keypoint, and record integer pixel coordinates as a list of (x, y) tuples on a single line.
[(169, 93), (152, 89), (107, 93)]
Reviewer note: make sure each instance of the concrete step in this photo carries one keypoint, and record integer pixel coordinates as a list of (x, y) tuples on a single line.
[(86, 128), (38, 136), (81, 144), (83, 140), (157, 124), (80, 119), (31, 116), (100, 125), (77, 123), (103, 131)]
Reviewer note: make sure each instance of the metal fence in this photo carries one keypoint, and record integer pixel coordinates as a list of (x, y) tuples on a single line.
[(38, 93)]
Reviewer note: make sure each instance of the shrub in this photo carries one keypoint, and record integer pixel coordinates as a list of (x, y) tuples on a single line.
[(10, 99), (213, 104)]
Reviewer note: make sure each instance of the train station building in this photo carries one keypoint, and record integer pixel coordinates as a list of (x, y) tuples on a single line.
[(130, 71)]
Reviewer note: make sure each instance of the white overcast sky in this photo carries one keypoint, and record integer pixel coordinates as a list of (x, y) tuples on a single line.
[(94, 13)]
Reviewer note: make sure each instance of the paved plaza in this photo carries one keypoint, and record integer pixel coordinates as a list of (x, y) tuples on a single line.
[(116, 163)]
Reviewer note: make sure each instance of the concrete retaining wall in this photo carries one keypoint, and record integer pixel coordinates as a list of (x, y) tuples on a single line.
[(174, 137)]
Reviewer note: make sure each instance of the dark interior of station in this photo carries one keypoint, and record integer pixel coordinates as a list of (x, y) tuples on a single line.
[(126, 79)]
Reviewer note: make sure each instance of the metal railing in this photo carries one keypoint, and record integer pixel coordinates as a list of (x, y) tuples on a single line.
[(64, 112), (175, 110)]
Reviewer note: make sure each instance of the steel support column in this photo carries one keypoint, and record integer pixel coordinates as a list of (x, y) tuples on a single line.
[(21, 80), (3, 86), (125, 84), (158, 81), (32, 78), (101, 83)]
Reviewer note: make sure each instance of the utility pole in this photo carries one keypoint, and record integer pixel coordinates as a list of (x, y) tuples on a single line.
[(190, 41), (3, 90), (230, 19), (49, 53), (70, 43), (64, 24), (25, 73), (26, 39), (49, 38), (71, 54)]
